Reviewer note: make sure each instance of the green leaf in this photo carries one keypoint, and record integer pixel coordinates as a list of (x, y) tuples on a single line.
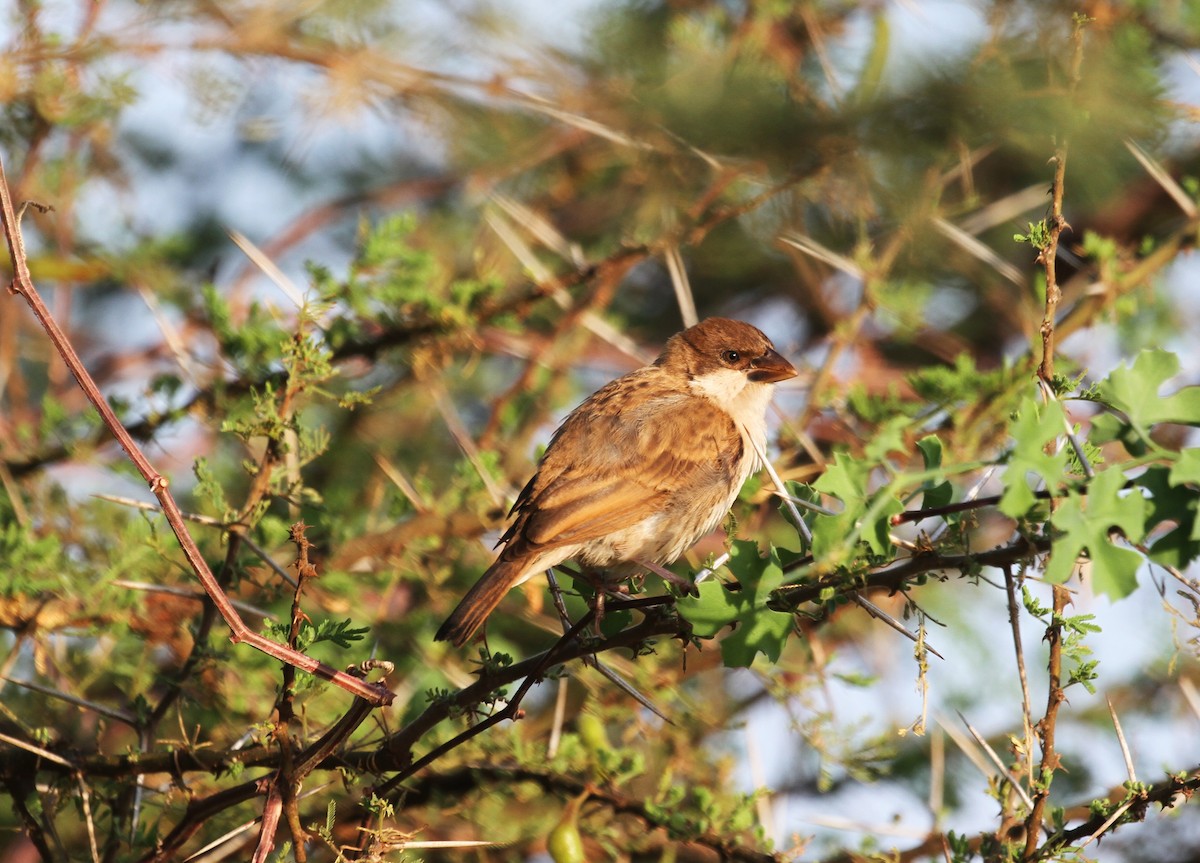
[(1085, 523), (888, 438), (931, 450), (757, 628), (1187, 468), (1172, 502), (846, 479), (933, 494), (1036, 426), (710, 612), (1134, 391)]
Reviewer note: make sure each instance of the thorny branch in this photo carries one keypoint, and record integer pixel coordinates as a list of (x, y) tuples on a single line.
[(1048, 256), (394, 753), (201, 810), (285, 785), (22, 284), (1011, 586), (1048, 724), (1166, 794)]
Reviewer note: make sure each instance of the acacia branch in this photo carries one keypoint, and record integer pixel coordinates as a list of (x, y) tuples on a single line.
[(1047, 726), (22, 284), (1164, 793), (200, 811), (1048, 255), (394, 753)]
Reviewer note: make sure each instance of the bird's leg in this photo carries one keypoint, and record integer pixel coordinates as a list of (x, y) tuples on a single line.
[(603, 585), (594, 661), (666, 575), (598, 606)]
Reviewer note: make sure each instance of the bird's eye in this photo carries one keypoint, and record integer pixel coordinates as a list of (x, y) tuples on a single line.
[(730, 357)]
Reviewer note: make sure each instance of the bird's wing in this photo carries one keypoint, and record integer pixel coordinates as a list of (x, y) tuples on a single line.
[(608, 469)]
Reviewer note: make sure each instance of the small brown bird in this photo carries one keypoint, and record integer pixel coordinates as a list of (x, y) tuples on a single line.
[(643, 469)]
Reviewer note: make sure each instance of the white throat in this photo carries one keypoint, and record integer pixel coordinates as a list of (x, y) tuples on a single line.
[(743, 399)]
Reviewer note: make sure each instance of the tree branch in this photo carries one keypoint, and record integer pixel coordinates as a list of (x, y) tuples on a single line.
[(22, 284)]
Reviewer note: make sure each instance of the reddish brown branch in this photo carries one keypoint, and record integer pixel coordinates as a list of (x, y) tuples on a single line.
[(23, 284), (1054, 631), (1046, 727), (395, 753), (202, 810), (1048, 255)]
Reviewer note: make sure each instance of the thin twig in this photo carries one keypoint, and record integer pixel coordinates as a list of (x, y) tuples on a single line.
[(511, 710), (39, 751), (995, 759), (1072, 438), (398, 478), (1109, 822), (978, 249), (1014, 620), (268, 268), (124, 716), (937, 774), (826, 256), (268, 824), (1048, 255), (879, 614), (85, 798), (683, 288), (189, 593), (1190, 695), (962, 506), (466, 443), (1166, 793), (260, 552), (1164, 179), (594, 661), (201, 811), (765, 462), (560, 714), (1112, 711)]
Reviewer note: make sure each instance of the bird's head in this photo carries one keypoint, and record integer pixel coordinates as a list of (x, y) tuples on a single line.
[(723, 358)]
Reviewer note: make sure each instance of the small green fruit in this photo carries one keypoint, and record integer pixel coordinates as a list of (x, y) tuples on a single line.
[(564, 842)]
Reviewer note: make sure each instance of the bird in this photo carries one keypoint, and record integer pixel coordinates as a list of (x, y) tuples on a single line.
[(642, 469)]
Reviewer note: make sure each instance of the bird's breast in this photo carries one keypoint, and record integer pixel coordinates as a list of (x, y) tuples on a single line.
[(680, 522)]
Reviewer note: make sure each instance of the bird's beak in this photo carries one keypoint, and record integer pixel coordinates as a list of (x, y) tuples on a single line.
[(771, 368)]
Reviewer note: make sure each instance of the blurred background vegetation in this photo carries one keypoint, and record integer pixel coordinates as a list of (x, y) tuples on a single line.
[(350, 261)]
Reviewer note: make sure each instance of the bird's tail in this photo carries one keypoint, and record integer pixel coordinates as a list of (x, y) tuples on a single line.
[(501, 577)]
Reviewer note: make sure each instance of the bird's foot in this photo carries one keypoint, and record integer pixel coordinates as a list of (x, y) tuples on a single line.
[(605, 589), (604, 586)]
